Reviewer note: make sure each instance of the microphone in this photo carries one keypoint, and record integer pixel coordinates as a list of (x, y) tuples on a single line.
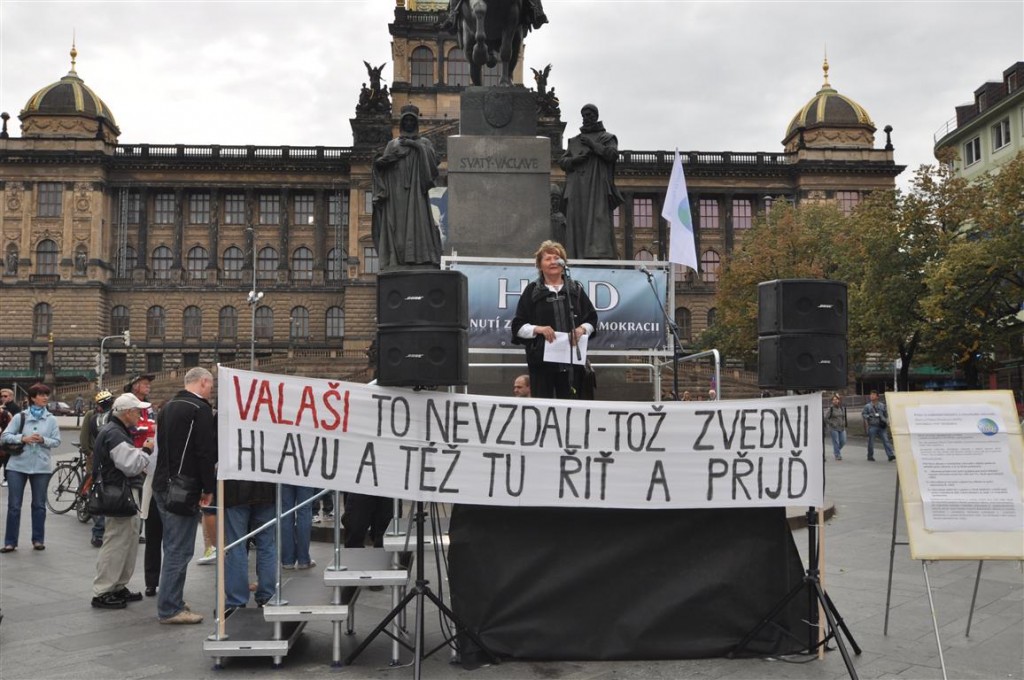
[(561, 263), (646, 272)]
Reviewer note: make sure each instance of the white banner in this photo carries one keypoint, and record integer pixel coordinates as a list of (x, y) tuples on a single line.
[(454, 448)]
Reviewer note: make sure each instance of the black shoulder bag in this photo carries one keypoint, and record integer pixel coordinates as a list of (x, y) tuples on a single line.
[(110, 500), (18, 448), (183, 491)]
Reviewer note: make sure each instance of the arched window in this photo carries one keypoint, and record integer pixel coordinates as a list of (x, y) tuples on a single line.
[(712, 316), (710, 263), (42, 320), (266, 263), (119, 319), (299, 325), (335, 323), (264, 323), (46, 257), (457, 68), (127, 260), (156, 323), (192, 323), (422, 62), (684, 321), (644, 255), (233, 261), (162, 260), (228, 326), (302, 264), (334, 265), (196, 262)]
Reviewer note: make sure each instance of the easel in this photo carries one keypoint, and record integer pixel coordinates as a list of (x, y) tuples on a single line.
[(420, 592), (961, 543), (924, 565), (818, 600)]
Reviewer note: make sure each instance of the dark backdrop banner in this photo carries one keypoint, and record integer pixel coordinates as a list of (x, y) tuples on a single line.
[(601, 584)]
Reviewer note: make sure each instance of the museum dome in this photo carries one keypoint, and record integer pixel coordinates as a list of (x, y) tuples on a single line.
[(67, 108), (830, 119)]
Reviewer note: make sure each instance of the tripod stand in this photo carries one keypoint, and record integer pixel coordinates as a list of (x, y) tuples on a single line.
[(420, 592), (816, 596)]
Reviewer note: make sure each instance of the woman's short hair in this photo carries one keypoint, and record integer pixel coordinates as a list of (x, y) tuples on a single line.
[(549, 247), (37, 389)]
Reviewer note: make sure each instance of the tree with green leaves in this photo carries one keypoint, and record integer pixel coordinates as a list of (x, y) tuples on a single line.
[(975, 290), (787, 243), (936, 272)]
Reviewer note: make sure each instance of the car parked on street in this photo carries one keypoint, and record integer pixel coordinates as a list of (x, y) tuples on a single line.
[(60, 408)]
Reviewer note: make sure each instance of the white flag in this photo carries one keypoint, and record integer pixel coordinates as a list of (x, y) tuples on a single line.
[(676, 210)]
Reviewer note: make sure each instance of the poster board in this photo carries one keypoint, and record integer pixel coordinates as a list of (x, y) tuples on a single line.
[(969, 448)]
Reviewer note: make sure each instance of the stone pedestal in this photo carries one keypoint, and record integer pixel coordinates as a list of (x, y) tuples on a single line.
[(499, 176), (498, 195)]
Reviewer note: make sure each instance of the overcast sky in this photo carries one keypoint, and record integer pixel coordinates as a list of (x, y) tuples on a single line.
[(703, 76)]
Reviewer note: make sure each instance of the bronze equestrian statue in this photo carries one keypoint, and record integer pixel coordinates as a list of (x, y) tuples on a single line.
[(492, 31)]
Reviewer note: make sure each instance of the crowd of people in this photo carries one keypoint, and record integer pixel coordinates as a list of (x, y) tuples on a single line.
[(131, 445)]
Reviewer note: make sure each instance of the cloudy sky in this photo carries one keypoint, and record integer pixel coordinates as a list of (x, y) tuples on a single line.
[(705, 76)]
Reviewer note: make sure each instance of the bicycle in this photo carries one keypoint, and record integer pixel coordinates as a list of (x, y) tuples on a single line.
[(68, 487)]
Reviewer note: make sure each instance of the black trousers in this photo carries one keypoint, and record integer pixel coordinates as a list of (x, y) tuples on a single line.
[(366, 515), (554, 381), (154, 545)]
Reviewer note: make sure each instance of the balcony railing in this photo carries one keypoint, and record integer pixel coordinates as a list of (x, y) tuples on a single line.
[(218, 152), (692, 158)]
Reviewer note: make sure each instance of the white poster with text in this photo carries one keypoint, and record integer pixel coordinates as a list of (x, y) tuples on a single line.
[(962, 457)]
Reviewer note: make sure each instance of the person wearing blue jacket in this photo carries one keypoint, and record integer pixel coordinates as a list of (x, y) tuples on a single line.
[(37, 428)]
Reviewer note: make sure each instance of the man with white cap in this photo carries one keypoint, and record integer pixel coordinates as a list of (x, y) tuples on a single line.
[(116, 461)]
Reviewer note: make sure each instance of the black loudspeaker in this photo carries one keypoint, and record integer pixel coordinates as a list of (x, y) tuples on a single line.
[(801, 306), (801, 361), (422, 355), (429, 297)]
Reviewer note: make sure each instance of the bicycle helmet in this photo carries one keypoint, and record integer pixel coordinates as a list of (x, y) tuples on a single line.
[(104, 400)]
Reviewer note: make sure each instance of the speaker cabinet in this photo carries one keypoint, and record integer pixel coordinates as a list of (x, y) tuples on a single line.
[(423, 355), (801, 306), (801, 361), (422, 298)]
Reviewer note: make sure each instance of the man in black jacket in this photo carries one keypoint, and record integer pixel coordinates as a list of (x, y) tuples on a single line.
[(117, 463), (186, 435)]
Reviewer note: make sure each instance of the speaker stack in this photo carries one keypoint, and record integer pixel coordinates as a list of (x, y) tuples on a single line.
[(801, 327), (422, 322)]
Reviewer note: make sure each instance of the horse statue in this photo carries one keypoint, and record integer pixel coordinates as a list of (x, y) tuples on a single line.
[(492, 32)]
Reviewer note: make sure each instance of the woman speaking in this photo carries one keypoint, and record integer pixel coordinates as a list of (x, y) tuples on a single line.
[(553, 303)]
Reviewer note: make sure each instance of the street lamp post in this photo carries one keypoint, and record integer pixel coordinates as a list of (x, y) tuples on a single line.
[(101, 365), (253, 299)]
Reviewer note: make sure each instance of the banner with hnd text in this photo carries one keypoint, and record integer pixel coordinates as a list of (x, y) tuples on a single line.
[(475, 449)]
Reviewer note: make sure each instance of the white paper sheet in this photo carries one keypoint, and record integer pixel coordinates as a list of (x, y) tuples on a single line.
[(561, 352)]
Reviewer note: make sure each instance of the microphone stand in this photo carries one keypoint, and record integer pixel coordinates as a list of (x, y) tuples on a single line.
[(671, 324), (567, 278)]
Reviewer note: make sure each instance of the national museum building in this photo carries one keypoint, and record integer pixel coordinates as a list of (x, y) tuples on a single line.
[(166, 240)]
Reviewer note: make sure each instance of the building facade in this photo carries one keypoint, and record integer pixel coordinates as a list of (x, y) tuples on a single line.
[(169, 241), (987, 132)]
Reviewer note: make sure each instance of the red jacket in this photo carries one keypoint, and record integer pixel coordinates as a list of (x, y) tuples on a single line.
[(145, 429)]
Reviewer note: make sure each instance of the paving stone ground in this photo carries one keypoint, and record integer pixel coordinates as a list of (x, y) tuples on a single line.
[(50, 631)]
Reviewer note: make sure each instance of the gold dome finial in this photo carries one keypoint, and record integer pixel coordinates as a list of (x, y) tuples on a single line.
[(74, 52), (824, 67)]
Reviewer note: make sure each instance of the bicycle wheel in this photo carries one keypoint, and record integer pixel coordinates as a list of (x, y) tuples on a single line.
[(62, 490), (82, 505)]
